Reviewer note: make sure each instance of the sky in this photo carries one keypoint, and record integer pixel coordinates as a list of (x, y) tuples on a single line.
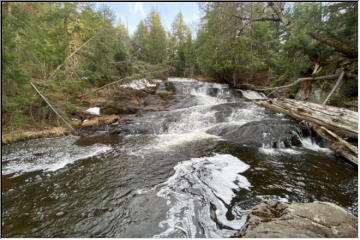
[(131, 13)]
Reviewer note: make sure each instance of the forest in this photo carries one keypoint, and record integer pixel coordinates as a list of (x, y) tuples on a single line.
[(190, 120), (68, 48)]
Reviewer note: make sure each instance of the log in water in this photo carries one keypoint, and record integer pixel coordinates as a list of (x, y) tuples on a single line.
[(192, 171)]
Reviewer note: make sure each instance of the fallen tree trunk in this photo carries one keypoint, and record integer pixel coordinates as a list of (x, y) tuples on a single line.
[(337, 144), (52, 108), (337, 45), (339, 120), (325, 121), (327, 77)]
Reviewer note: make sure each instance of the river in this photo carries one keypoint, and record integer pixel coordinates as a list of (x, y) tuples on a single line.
[(192, 171)]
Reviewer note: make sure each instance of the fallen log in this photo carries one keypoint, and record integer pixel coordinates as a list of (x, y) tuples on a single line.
[(340, 120), (325, 121), (337, 144)]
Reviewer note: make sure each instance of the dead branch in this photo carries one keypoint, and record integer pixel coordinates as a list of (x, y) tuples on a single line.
[(327, 77)]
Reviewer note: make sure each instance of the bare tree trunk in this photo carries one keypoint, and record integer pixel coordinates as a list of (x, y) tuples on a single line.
[(337, 84), (52, 108), (339, 120), (325, 120), (337, 45), (337, 144)]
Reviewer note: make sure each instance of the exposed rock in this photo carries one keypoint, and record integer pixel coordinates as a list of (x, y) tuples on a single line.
[(120, 108), (272, 219), (270, 133), (99, 121)]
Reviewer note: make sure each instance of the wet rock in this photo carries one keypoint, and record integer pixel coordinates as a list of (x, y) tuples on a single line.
[(120, 108), (270, 133), (272, 219), (170, 86)]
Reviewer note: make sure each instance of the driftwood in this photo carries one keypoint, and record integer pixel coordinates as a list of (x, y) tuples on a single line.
[(325, 120), (327, 77), (337, 144), (52, 108), (340, 120)]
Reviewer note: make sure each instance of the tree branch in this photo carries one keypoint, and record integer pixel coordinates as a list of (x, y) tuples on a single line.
[(337, 45), (327, 77), (262, 19)]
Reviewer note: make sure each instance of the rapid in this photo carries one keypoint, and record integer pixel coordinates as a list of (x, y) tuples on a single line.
[(195, 170)]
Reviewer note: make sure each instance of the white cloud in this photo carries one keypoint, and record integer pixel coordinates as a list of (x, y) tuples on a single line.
[(139, 9)]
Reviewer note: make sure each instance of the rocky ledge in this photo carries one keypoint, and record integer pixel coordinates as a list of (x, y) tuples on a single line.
[(272, 219)]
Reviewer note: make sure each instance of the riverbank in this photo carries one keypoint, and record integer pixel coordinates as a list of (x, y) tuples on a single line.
[(114, 103), (204, 150)]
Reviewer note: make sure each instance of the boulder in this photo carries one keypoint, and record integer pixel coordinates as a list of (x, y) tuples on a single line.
[(120, 108), (273, 219), (269, 133)]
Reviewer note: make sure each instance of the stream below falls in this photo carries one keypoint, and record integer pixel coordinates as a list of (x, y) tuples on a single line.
[(192, 171)]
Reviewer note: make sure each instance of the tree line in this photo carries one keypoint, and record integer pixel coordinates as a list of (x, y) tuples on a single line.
[(72, 46)]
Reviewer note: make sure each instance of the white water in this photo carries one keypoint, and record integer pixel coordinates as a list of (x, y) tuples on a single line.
[(197, 184), (49, 161), (138, 84)]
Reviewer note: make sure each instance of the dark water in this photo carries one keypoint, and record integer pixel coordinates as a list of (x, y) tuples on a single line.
[(192, 171)]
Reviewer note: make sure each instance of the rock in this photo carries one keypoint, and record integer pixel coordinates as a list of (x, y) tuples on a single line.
[(76, 122), (120, 108), (99, 121), (272, 219), (169, 86), (269, 133), (165, 94)]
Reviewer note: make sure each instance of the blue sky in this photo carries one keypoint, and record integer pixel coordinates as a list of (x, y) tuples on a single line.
[(131, 13)]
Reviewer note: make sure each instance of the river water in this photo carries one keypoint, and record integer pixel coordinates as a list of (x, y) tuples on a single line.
[(192, 171)]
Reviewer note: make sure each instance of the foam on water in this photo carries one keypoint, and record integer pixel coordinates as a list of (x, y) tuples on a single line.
[(166, 142), (279, 151), (200, 191), (308, 143), (50, 160)]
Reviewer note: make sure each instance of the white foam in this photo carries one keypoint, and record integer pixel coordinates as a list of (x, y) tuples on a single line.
[(94, 110), (196, 185), (279, 151), (166, 142), (312, 145), (177, 79), (51, 161), (253, 95), (138, 84)]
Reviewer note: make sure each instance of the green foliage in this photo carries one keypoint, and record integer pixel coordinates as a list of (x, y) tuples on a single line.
[(149, 40)]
